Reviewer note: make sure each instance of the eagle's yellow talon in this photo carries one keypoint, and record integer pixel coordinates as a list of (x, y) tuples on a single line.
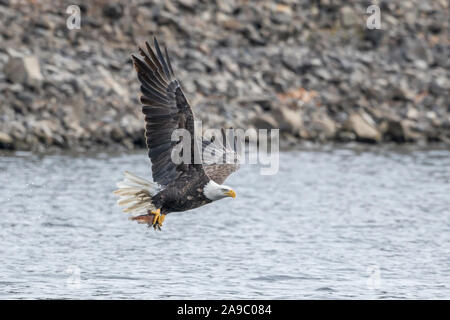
[(161, 219), (156, 213), (158, 219)]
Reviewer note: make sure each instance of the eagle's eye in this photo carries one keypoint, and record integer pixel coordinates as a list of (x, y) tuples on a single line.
[(229, 192)]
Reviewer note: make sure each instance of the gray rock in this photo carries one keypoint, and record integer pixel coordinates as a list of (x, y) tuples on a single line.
[(400, 131), (265, 121), (322, 123), (5, 139), (18, 130), (440, 85), (44, 129), (288, 120), (363, 126), (323, 74), (253, 35), (203, 85), (112, 83), (230, 65), (349, 17), (226, 6), (113, 10), (295, 60), (188, 4), (24, 70)]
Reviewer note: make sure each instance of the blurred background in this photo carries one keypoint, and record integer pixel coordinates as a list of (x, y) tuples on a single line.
[(311, 68), (359, 207)]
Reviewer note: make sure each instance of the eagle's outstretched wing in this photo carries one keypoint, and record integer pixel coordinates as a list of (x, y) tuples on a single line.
[(221, 156), (166, 109)]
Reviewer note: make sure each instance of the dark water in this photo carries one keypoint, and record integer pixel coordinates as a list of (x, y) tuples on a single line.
[(334, 223)]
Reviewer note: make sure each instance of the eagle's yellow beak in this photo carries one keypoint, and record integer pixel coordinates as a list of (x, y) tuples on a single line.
[(231, 193)]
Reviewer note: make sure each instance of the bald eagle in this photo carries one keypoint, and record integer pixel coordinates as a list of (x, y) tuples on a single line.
[(176, 186)]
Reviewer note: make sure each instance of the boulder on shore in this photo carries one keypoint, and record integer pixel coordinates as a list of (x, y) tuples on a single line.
[(364, 127), (24, 70)]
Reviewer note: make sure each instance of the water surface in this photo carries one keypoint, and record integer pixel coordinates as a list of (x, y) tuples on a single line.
[(333, 223)]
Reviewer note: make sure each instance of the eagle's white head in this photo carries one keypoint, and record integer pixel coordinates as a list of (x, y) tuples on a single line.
[(214, 191)]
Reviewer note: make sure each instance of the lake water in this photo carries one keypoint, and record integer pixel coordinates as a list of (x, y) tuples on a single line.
[(334, 223)]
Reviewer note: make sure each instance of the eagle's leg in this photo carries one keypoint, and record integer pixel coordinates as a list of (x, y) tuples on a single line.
[(158, 219)]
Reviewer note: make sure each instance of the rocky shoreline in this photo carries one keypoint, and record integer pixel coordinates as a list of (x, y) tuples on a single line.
[(311, 68)]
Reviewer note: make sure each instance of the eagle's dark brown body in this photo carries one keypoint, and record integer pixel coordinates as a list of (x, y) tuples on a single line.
[(185, 193)]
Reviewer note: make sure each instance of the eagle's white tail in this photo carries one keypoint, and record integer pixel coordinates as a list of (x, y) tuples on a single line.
[(136, 193)]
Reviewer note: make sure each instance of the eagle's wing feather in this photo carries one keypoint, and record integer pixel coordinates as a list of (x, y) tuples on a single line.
[(165, 108), (221, 156)]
